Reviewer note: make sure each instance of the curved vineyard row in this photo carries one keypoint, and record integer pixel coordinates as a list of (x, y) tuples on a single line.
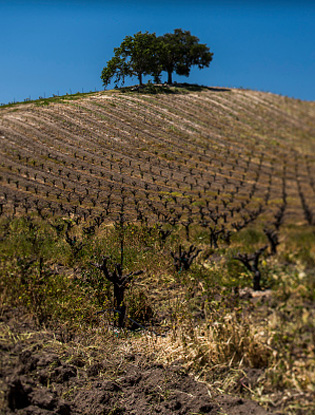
[(217, 158)]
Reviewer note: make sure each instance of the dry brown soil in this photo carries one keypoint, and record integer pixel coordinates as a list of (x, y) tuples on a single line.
[(44, 373)]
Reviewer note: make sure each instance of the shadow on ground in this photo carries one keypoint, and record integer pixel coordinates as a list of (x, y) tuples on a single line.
[(176, 88)]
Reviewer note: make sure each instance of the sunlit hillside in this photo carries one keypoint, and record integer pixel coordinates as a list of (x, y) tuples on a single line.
[(160, 155)]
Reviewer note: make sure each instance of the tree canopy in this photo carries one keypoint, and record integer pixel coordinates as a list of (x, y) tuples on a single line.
[(146, 54)]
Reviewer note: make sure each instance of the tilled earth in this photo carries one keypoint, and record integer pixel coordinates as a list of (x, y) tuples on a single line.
[(44, 373)]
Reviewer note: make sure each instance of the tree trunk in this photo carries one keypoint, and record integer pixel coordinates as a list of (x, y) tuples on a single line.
[(157, 78), (187, 232), (140, 79), (214, 239), (170, 81), (257, 277), (119, 293)]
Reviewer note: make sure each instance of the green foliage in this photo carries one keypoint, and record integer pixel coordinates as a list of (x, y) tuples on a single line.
[(50, 297), (115, 67), (96, 286), (300, 246), (250, 236), (179, 51), (28, 237), (146, 54), (134, 57)]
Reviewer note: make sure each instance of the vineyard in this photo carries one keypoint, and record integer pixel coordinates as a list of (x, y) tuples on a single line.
[(219, 158), (198, 205)]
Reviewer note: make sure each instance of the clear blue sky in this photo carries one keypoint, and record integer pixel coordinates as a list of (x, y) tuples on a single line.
[(50, 46)]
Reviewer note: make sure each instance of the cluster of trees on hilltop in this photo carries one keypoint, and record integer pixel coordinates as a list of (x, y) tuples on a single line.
[(148, 54)]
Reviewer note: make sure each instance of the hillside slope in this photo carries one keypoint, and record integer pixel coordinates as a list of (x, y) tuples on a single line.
[(214, 282), (193, 148)]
